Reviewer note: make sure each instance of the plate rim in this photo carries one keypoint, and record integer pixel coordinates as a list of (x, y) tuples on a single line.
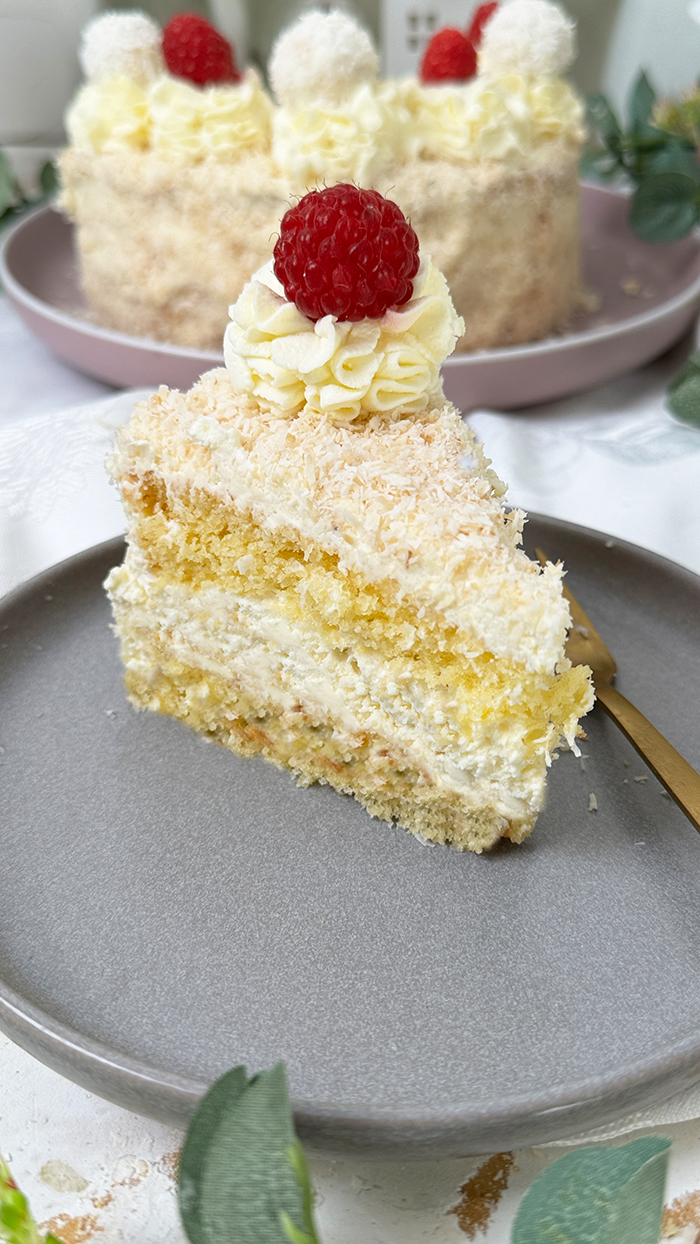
[(500, 354), (524, 1121), (16, 290)]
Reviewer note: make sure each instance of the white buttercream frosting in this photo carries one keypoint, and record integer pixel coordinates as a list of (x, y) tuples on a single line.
[(221, 121), (507, 118), (109, 115), (356, 140), (336, 368), (172, 117)]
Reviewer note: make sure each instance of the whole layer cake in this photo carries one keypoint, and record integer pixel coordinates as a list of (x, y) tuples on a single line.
[(321, 567), (177, 184)]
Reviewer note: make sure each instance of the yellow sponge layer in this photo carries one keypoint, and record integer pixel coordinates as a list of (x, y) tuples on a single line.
[(445, 738), (193, 539), (379, 775)]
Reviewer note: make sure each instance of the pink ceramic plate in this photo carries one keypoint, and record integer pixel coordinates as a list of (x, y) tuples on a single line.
[(646, 297)]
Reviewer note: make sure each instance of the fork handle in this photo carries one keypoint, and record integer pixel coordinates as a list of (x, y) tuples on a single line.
[(680, 779)]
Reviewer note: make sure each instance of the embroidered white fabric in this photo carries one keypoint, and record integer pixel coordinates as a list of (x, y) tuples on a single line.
[(54, 495)]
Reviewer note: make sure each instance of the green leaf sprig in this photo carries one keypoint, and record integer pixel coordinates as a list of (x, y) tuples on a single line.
[(657, 153), (243, 1175), (683, 396), (12, 200), (597, 1195), (16, 1223), (243, 1179)]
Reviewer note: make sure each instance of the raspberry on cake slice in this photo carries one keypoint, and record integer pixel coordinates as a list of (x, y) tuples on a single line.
[(365, 254), (321, 568)]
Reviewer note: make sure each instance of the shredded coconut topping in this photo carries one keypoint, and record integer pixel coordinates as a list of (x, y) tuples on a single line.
[(390, 498), (128, 44), (528, 37), (323, 56)]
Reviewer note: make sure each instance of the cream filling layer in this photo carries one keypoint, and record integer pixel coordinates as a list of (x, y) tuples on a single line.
[(283, 663), (464, 568)]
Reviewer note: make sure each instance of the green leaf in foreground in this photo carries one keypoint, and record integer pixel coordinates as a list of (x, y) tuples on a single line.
[(684, 391), (664, 207), (201, 1134), (243, 1176), (16, 1223), (597, 1196)]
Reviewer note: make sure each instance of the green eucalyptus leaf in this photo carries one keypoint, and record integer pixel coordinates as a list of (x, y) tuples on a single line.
[(675, 156), (664, 207), (8, 184), (641, 105), (684, 391), (49, 179), (598, 164), (601, 117), (597, 1196), (212, 1109), (243, 1177)]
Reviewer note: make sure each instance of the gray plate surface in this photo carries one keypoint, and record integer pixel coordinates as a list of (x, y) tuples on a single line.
[(168, 910)]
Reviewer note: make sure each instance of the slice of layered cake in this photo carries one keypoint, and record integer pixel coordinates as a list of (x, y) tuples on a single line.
[(321, 568)]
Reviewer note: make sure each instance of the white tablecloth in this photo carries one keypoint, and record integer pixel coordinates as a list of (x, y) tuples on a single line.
[(612, 459)]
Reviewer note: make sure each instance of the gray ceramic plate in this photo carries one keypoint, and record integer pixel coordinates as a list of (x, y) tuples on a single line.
[(646, 297), (168, 910)]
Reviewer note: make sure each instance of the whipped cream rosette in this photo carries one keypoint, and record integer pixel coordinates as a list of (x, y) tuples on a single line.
[(509, 118), (344, 370)]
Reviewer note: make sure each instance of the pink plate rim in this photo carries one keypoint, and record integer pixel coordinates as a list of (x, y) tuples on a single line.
[(528, 350)]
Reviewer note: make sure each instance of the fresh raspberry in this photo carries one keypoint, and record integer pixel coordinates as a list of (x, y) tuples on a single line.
[(449, 57), (346, 252), (482, 15), (194, 49)]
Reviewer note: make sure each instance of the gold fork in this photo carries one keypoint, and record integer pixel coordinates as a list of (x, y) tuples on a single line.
[(584, 646)]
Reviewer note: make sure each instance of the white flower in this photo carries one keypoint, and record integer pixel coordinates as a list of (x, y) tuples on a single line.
[(128, 44), (323, 56), (528, 37)]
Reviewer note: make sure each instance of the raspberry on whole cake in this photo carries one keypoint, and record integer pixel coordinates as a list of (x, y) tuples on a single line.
[(168, 176), (481, 16), (449, 57), (180, 168), (321, 569), (195, 50)]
